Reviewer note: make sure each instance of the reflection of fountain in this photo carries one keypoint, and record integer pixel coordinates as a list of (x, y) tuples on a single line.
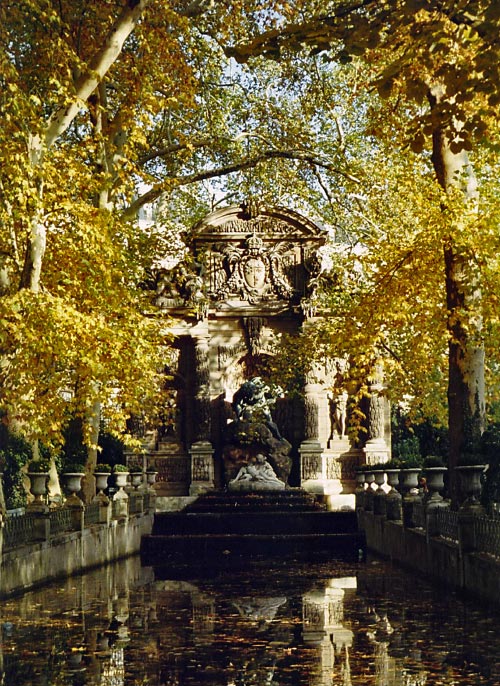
[(323, 616), (261, 609)]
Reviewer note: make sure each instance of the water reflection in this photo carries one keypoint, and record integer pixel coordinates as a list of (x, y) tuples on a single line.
[(331, 624)]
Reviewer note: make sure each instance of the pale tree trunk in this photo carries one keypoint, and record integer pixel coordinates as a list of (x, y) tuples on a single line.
[(62, 118), (93, 420), (466, 389)]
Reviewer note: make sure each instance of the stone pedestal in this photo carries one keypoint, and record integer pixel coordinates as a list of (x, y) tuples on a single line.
[(202, 468), (311, 466)]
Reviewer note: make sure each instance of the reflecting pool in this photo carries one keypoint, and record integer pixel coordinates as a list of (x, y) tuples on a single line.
[(322, 624)]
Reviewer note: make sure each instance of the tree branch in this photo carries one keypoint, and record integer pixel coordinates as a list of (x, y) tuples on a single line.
[(86, 84), (318, 31), (169, 183)]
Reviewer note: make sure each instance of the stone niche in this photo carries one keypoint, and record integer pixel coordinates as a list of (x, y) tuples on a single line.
[(250, 276)]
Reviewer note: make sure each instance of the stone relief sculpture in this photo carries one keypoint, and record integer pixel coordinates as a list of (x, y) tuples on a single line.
[(181, 286), (254, 272)]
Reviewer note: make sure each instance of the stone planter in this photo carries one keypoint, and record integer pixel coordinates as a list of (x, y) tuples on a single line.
[(409, 478), (470, 486), (435, 483), (101, 483), (136, 480), (392, 479), (151, 480), (73, 482), (121, 480), (101, 480), (38, 488), (151, 477)]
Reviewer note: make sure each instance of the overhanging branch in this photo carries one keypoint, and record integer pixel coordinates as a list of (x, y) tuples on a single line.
[(169, 183)]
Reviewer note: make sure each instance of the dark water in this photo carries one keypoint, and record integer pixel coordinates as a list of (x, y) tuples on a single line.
[(328, 624)]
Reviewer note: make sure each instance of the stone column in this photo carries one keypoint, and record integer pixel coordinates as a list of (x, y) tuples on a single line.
[(376, 449), (202, 390), (201, 451), (311, 452)]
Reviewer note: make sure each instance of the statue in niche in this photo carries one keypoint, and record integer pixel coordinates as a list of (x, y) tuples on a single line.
[(253, 432), (256, 475), (254, 272), (337, 402), (254, 398)]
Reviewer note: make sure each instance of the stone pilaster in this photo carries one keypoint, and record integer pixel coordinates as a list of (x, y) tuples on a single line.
[(202, 389), (201, 451), (202, 467), (311, 452)]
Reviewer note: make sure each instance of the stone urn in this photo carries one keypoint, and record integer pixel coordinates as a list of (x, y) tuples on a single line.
[(409, 478), (392, 478), (435, 483), (73, 483), (101, 483), (136, 480), (151, 475), (121, 480), (38, 486), (470, 485)]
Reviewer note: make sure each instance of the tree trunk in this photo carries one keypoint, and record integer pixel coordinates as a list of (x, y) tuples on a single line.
[(466, 406), (61, 119)]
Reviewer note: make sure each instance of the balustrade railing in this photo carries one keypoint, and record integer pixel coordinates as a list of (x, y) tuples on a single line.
[(487, 535), (92, 514), (23, 527), (447, 523), (61, 520), (135, 503), (419, 516), (20, 530)]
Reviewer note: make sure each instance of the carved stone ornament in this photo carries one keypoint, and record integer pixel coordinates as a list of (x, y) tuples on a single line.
[(255, 272)]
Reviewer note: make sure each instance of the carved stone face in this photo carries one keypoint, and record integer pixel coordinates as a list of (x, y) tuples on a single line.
[(254, 272)]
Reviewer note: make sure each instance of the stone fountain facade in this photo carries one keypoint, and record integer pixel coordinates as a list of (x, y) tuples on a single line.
[(251, 277)]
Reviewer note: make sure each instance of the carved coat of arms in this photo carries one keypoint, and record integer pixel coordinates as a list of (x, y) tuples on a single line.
[(254, 273)]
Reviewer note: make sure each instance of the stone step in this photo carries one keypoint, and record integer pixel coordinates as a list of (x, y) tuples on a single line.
[(288, 500), (224, 549), (253, 523)]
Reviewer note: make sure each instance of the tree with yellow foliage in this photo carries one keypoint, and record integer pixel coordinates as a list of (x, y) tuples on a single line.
[(436, 66)]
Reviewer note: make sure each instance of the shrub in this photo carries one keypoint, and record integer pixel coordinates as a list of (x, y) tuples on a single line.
[(74, 468), (135, 467), (434, 461), (41, 466), (15, 452), (468, 459), (103, 468), (120, 468)]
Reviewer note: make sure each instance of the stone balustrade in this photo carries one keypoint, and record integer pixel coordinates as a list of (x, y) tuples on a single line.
[(48, 543), (458, 547)]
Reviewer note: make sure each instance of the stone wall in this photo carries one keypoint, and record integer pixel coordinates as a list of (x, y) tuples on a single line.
[(71, 552), (441, 559)]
